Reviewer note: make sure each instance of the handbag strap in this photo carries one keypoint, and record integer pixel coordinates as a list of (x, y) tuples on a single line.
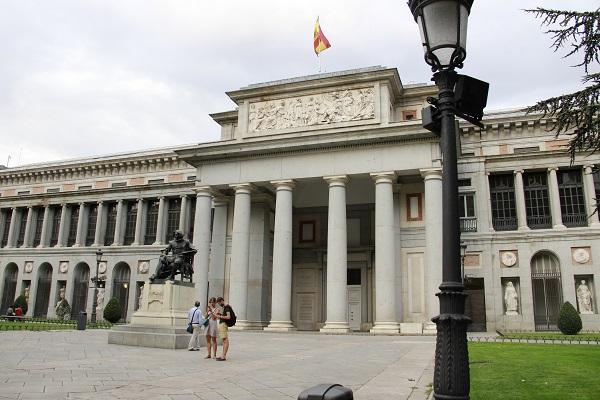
[(193, 314)]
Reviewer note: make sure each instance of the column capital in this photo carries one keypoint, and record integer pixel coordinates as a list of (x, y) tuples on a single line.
[(336, 180), (287, 184), (588, 169), (244, 188), (204, 191), (99, 202), (383, 177), (431, 173), (550, 169), (30, 207), (518, 171)]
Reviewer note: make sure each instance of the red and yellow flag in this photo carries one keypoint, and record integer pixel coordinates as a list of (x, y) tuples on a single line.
[(320, 41)]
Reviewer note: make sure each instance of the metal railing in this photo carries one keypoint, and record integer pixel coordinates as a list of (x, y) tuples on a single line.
[(468, 224), (505, 224)]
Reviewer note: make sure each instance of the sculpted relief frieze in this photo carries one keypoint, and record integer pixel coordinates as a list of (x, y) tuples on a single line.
[(316, 109)]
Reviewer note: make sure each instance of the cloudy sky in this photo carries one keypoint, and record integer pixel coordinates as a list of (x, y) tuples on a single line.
[(86, 77)]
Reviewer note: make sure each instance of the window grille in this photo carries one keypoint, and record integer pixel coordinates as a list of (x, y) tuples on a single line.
[(572, 200), (502, 193), (55, 226), (111, 224), (537, 203), (22, 227), (464, 182), (90, 237), (7, 219), (39, 224), (132, 210), (72, 238), (151, 221), (173, 216)]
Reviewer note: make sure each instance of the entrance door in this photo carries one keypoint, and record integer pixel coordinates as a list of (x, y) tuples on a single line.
[(80, 289), (10, 287), (120, 289), (42, 296), (354, 298), (475, 304), (547, 291)]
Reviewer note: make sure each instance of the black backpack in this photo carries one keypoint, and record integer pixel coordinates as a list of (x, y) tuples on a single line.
[(232, 318)]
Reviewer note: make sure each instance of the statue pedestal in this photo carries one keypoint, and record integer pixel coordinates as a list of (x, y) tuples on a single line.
[(161, 320)]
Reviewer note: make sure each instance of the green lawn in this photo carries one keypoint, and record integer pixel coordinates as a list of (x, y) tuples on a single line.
[(593, 336), (534, 371)]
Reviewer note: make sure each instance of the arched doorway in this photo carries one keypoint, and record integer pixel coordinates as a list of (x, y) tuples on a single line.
[(120, 290), (42, 295), (81, 284), (547, 290), (10, 286)]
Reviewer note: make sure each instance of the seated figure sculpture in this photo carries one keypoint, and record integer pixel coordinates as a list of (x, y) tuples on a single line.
[(176, 258)]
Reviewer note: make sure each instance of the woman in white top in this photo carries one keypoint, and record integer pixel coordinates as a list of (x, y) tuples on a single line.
[(210, 330)]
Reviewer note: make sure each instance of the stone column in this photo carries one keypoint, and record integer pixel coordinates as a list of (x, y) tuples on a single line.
[(44, 233), (63, 229), (520, 199), (119, 231), (281, 290), (99, 234), (433, 238), (139, 237), (554, 199), (13, 232), (183, 215), (590, 194), (216, 270), (80, 223), (28, 226), (240, 250), (201, 241), (337, 265), (160, 230), (385, 255)]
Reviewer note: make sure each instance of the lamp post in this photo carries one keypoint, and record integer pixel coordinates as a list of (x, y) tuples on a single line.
[(95, 280), (463, 254), (443, 28)]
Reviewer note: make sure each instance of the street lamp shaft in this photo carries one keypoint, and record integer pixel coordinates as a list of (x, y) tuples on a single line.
[(95, 299)]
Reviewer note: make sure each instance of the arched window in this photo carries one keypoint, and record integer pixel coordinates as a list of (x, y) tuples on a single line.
[(10, 286), (42, 294), (121, 283), (547, 290), (81, 284)]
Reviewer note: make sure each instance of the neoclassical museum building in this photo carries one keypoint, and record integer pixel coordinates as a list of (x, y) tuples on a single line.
[(318, 209)]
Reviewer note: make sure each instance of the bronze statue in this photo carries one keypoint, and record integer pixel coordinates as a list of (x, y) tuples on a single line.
[(179, 261)]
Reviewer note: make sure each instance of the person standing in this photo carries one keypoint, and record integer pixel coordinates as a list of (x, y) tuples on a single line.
[(194, 316), (224, 317), (210, 330)]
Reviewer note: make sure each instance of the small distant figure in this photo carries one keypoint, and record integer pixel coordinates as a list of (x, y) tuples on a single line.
[(10, 314), (194, 316), (224, 318), (210, 330)]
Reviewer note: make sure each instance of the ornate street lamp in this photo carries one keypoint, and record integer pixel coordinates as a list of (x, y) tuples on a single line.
[(95, 280), (443, 27)]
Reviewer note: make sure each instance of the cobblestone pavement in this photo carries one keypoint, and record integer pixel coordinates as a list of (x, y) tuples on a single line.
[(81, 365)]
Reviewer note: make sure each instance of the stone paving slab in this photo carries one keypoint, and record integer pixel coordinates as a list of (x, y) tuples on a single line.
[(82, 365)]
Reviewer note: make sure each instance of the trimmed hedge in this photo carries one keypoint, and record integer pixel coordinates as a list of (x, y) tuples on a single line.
[(569, 321), (112, 311)]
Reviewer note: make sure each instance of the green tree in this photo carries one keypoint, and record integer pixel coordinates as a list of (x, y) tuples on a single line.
[(112, 311), (569, 321), (21, 301), (577, 114)]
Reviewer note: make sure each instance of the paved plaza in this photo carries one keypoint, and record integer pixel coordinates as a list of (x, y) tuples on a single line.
[(81, 365)]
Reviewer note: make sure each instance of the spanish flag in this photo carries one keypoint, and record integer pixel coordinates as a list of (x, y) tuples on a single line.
[(320, 41)]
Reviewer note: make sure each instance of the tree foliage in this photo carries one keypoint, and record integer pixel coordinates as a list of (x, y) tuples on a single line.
[(576, 114), (112, 311), (569, 321)]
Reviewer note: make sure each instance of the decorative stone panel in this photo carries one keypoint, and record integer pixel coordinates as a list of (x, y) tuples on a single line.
[(509, 258), (581, 255), (63, 267), (143, 266), (28, 267)]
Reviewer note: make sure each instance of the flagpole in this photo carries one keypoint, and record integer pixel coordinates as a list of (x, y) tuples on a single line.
[(319, 58)]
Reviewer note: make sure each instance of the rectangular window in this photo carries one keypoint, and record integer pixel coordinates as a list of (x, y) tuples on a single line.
[(191, 178), (85, 187), (132, 210), (118, 184), (307, 231), (537, 203), (572, 199), (53, 190), (521, 150), (414, 207), (151, 221), (468, 220), (173, 216), (72, 238), (55, 225), (7, 218), (90, 237), (39, 224), (111, 224), (464, 182), (22, 227), (155, 181), (23, 193), (502, 194)]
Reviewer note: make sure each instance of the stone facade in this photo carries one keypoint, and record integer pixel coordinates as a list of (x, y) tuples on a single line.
[(319, 209)]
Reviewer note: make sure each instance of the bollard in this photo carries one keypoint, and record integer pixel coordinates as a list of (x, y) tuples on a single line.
[(81, 321), (327, 391)]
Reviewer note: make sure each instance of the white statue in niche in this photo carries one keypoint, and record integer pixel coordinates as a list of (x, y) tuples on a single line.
[(511, 299), (100, 301), (584, 298)]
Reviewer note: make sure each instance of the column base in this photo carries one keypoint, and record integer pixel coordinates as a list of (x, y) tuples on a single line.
[(595, 225), (335, 327), (385, 328), (559, 227), (245, 325), (524, 228), (280, 326)]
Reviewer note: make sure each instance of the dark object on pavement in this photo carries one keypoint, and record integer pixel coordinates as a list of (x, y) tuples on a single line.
[(327, 391)]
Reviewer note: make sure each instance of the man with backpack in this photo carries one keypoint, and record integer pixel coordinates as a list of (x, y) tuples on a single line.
[(227, 318)]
